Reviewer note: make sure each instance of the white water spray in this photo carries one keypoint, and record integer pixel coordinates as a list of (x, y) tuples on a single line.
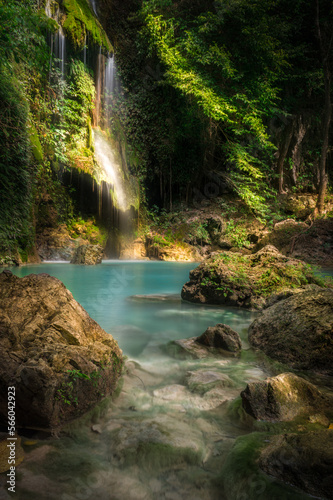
[(106, 159)]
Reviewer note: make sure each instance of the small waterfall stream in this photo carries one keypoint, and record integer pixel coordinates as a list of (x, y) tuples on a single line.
[(58, 40)]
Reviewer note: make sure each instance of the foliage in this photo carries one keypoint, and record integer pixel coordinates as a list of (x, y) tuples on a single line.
[(80, 20), (15, 164)]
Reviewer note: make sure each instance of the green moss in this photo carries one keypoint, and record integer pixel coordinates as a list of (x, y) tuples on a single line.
[(242, 478), (36, 146), (80, 20), (156, 456)]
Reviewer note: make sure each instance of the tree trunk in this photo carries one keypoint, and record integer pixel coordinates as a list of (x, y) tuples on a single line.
[(282, 155), (323, 179), (324, 149)]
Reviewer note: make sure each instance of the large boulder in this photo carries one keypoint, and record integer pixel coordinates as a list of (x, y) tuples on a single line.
[(56, 243), (283, 398), (221, 336), (245, 280), (88, 255), (298, 331), (60, 360), (303, 460)]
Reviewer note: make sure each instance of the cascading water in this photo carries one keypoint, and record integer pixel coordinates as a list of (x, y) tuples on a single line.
[(58, 41), (93, 6), (112, 171)]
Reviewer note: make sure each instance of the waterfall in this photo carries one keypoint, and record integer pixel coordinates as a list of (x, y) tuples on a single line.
[(93, 6), (114, 176), (58, 41)]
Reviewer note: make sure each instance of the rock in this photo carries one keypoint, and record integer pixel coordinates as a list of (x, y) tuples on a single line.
[(133, 250), (57, 244), (283, 398), (202, 381), (303, 460), (97, 428), (191, 348), (300, 205), (157, 443), (311, 243), (298, 331), (58, 358), (88, 255), (5, 452), (221, 336), (245, 281)]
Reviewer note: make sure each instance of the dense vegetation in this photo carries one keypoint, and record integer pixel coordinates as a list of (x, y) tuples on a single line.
[(224, 96), (235, 91)]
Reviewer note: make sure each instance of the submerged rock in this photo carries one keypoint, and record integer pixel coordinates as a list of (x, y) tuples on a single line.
[(88, 255), (202, 381), (245, 280), (59, 359), (303, 460), (298, 331), (157, 443), (221, 336), (282, 398)]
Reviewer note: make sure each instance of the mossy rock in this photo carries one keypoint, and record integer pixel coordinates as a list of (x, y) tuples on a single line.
[(233, 279), (80, 19)]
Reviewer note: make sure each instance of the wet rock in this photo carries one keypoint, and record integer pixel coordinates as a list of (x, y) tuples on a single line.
[(221, 336), (88, 254), (298, 330), (201, 381), (191, 348), (157, 443), (303, 460), (245, 281), (58, 358), (283, 398)]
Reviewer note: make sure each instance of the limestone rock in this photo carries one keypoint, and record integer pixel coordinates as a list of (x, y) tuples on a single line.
[(44, 335), (298, 331), (282, 398), (88, 255), (303, 460), (221, 336)]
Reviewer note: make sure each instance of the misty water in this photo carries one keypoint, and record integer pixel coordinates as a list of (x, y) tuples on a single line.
[(164, 437)]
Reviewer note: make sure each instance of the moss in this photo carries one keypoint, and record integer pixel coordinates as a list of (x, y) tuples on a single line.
[(36, 146), (242, 478), (155, 456), (79, 20)]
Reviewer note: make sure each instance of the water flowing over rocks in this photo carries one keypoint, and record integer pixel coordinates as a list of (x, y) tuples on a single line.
[(283, 398), (88, 254), (216, 341), (58, 358), (303, 460), (298, 331), (245, 280)]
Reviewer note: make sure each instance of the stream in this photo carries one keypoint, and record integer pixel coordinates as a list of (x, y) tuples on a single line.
[(167, 435)]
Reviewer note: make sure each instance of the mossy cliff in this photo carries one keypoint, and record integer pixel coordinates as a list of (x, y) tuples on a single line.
[(81, 20)]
